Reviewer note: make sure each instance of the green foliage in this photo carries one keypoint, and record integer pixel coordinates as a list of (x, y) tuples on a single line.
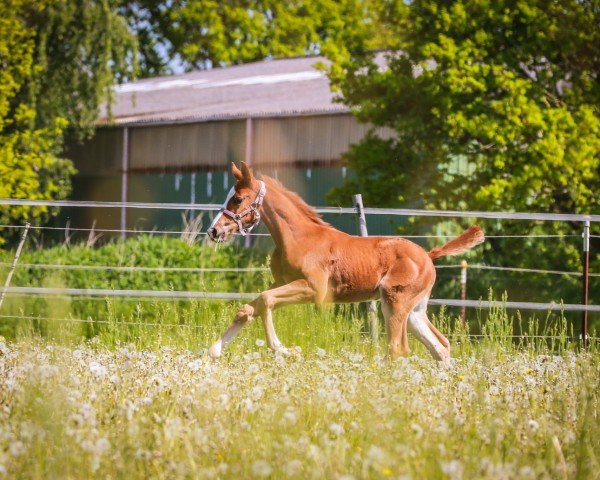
[(29, 162), (150, 406), (142, 251), (59, 61), (82, 48), (494, 106), (205, 33)]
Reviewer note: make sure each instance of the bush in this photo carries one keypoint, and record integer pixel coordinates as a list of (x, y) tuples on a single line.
[(142, 251)]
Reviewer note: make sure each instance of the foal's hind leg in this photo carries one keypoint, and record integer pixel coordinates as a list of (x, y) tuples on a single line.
[(396, 310), (440, 336), (420, 326)]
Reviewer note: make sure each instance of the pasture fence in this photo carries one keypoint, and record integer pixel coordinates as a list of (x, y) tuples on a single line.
[(359, 210)]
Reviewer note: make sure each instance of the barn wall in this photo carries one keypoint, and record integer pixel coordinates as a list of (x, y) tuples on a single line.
[(214, 145), (100, 155), (190, 163), (322, 138), (186, 146)]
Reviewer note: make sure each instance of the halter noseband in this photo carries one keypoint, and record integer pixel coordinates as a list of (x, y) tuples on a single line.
[(252, 208)]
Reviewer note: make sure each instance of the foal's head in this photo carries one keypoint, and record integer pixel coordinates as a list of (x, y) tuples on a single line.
[(240, 212)]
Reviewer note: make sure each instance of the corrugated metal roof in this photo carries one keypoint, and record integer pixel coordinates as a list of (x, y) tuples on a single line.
[(284, 87)]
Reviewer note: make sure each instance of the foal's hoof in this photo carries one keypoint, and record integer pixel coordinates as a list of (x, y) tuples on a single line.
[(288, 352), (281, 350), (244, 314), (215, 351)]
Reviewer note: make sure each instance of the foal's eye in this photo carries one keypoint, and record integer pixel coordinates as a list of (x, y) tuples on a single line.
[(237, 200)]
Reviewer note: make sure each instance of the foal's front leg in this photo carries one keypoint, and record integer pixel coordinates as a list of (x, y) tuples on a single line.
[(298, 291)]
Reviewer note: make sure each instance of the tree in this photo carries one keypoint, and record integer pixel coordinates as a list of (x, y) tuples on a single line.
[(211, 33), (58, 64), (494, 105)]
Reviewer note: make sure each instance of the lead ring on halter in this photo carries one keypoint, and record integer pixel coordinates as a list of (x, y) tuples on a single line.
[(252, 208)]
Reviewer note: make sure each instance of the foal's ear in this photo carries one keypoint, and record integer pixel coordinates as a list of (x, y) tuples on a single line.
[(236, 171), (247, 172)]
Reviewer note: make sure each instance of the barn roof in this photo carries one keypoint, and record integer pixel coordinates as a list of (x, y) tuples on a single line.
[(284, 87)]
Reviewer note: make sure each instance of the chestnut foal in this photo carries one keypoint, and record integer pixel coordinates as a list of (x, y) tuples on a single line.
[(315, 263)]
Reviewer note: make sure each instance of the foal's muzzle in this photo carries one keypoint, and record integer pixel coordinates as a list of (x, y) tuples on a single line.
[(218, 236), (212, 234)]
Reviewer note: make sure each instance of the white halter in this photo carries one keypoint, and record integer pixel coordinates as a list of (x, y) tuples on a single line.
[(237, 217)]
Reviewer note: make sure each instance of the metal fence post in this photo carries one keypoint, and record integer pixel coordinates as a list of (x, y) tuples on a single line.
[(14, 264), (585, 283), (372, 306), (463, 290), (124, 180)]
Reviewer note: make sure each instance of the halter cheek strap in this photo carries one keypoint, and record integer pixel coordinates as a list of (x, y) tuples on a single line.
[(237, 217)]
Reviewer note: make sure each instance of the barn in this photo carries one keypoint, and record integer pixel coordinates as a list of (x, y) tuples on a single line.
[(172, 139)]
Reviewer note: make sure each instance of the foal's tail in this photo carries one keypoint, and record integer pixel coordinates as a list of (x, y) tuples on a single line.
[(468, 239)]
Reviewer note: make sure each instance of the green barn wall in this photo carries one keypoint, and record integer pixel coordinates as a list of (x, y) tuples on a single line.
[(210, 187)]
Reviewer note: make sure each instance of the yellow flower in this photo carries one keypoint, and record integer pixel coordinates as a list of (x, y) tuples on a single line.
[(387, 472)]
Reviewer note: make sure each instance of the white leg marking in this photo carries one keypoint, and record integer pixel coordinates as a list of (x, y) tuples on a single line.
[(417, 325), (272, 339), (217, 348)]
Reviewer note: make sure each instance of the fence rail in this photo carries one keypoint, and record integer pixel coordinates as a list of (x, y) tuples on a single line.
[(405, 212), (134, 268), (190, 295), (584, 219)]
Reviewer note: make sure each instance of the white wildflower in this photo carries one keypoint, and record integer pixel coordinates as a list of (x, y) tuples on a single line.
[(321, 353), (416, 378), (279, 359), (48, 371), (454, 469), (336, 429), (260, 468), (173, 427), (533, 425), (292, 468), (526, 473), (290, 416), (102, 446), (417, 429), (376, 454), (142, 454), (16, 448), (97, 370), (260, 342), (257, 392), (355, 357), (195, 365), (247, 404)]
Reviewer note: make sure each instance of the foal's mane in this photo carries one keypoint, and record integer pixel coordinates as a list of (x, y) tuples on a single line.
[(307, 211)]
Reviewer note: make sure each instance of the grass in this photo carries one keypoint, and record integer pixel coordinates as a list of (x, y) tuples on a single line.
[(115, 388), (139, 401)]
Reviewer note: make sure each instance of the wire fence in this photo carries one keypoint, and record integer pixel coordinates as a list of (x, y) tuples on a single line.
[(178, 294), (118, 323), (146, 294), (138, 268)]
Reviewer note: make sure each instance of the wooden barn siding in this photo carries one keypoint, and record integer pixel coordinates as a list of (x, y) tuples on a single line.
[(211, 146), (322, 138), (186, 146), (100, 155)]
